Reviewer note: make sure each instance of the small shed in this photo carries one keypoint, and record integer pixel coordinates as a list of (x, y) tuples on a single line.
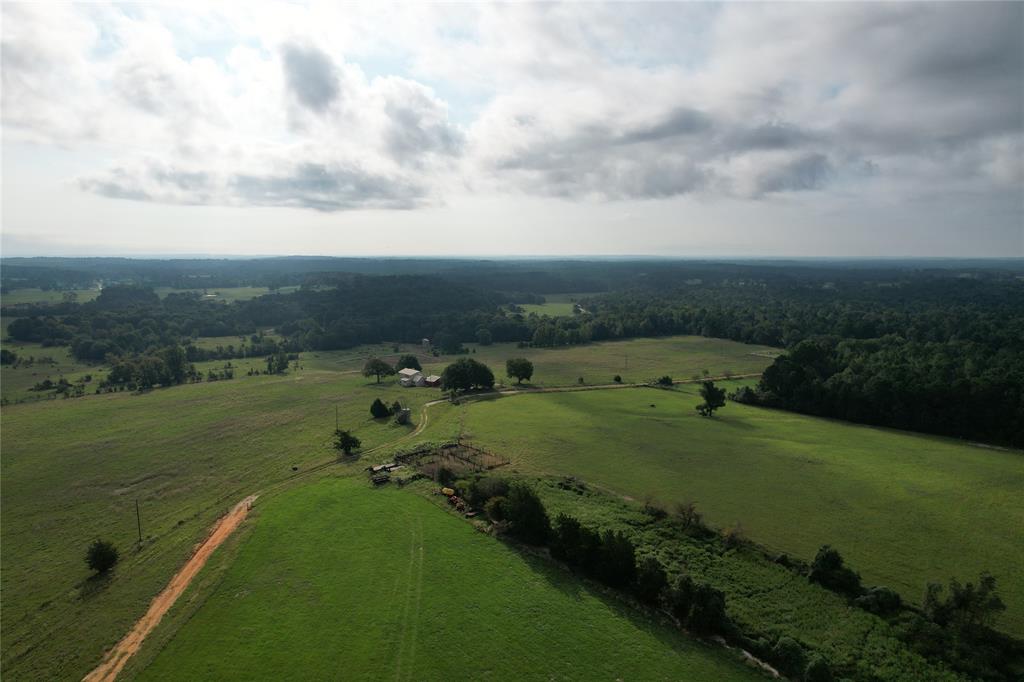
[(432, 380)]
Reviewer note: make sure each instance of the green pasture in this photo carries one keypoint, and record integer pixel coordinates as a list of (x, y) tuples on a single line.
[(903, 509), (35, 296), (340, 581), (72, 470), (554, 305), (16, 382), (635, 360)]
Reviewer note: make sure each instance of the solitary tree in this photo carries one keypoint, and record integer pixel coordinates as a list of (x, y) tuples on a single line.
[(408, 362), (378, 368), (665, 381), (714, 398), (466, 374), (379, 410), (345, 441), (519, 369), (101, 556)]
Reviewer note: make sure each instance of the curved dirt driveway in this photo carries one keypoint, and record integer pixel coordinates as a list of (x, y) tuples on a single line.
[(117, 657)]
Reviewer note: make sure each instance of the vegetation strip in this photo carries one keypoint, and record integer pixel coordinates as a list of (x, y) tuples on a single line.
[(116, 659)]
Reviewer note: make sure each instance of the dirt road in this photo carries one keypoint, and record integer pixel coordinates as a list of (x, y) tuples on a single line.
[(117, 657)]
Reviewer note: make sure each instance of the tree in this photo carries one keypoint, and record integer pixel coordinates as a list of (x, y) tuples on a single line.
[(789, 656), (966, 607), (345, 441), (665, 381), (483, 337), (651, 580), (528, 520), (714, 398), (378, 368), (817, 670), (618, 559), (379, 410), (519, 368), (277, 363), (101, 556), (408, 362), (466, 374), (396, 407), (708, 612), (828, 570), (495, 509), (617, 378), (7, 357)]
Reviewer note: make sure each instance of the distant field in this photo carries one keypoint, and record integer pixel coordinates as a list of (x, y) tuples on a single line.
[(339, 581), (72, 470), (555, 305), (228, 294), (903, 509), (19, 296), (15, 382), (635, 360)]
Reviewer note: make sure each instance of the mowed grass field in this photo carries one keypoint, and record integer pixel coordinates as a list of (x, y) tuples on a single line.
[(72, 470), (903, 509), (554, 305), (635, 360), (340, 581)]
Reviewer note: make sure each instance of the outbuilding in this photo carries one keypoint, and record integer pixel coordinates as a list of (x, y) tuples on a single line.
[(432, 380), (410, 377)]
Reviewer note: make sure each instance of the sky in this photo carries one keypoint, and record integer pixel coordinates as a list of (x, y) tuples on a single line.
[(669, 129)]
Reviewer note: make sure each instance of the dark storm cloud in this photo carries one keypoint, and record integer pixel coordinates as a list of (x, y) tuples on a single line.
[(311, 76), (803, 174)]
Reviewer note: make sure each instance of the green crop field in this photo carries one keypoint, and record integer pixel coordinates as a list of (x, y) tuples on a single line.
[(339, 581), (72, 470), (903, 509)]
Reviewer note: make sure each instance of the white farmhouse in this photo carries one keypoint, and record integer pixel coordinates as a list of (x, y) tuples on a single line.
[(410, 377)]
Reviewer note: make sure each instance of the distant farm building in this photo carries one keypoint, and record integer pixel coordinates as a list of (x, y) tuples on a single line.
[(411, 377), (425, 343), (432, 380)]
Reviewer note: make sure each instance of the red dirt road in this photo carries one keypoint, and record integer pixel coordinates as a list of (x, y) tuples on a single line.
[(117, 657)]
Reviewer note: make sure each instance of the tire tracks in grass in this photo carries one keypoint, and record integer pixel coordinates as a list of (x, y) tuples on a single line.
[(413, 599)]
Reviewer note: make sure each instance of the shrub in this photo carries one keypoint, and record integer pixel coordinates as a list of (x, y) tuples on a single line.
[(879, 601), (379, 410), (617, 379), (481, 490), (680, 598), (575, 545), (495, 508), (789, 657), (651, 580), (617, 567), (828, 571), (101, 556), (665, 381), (817, 671), (708, 613), (528, 520)]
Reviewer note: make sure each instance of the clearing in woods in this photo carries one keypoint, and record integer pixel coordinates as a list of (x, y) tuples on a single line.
[(338, 580)]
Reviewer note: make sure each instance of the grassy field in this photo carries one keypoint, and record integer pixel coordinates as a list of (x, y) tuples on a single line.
[(903, 509), (636, 360), (16, 382), (20, 296), (339, 581), (72, 470), (226, 294), (554, 305)]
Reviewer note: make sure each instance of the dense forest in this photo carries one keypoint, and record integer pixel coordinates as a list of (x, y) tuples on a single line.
[(929, 346)]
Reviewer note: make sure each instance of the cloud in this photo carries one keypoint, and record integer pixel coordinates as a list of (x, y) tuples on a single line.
[(311, 76), (338, 108)]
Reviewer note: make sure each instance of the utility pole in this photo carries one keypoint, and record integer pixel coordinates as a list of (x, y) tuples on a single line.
[(138, 520)]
